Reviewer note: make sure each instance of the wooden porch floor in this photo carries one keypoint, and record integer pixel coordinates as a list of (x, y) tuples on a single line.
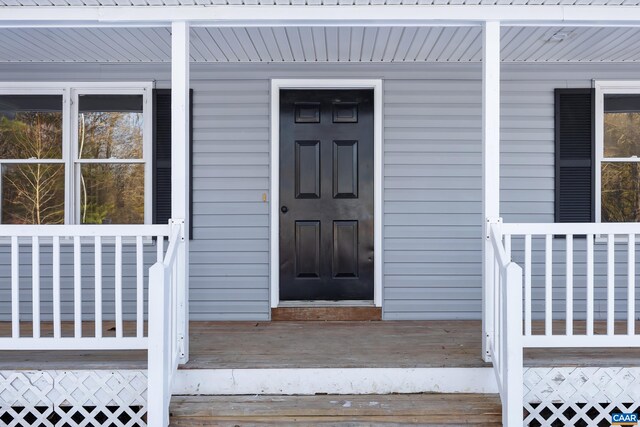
[(360, 410), (386, 344)]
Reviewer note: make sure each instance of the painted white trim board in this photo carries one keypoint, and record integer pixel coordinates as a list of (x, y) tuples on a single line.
[(314, 15), (334, 381), (274, 183)]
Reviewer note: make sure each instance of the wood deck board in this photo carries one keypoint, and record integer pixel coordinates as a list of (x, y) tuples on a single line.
[(63, 360), (609, 357), (397, 344), (440, 421), (422, 409), (386, 344)]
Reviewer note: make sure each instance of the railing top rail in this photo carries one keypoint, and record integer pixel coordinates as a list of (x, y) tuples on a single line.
[(172, 251), (496, 241), (84, 230), (565, 228)]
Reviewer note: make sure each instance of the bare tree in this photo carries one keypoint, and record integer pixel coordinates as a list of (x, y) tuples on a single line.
[(32, 193)]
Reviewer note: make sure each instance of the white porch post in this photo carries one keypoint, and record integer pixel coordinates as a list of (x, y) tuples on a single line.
[(490, 166), (180, 168)]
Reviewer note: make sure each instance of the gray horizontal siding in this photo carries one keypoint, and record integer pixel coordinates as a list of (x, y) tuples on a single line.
[(230, 253), (433, 199), (432, 179)]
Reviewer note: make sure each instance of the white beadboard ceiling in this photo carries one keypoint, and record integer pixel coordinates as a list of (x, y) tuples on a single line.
[(320, 44)]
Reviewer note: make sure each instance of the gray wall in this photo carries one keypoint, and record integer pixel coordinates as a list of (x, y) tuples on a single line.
[(432, 174)]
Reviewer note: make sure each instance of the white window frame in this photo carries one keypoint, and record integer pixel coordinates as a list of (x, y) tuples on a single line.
[(603, 88), (70, 92)]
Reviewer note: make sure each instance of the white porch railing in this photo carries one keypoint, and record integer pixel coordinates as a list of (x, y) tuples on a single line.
[(165, 345), (585, 274), (34, 250), (505, 344), (43, 259)]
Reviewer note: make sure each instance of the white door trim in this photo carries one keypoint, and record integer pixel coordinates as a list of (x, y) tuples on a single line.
[(276, 86)]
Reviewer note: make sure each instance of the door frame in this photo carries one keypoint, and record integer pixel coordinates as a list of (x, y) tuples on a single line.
[(274, 212)]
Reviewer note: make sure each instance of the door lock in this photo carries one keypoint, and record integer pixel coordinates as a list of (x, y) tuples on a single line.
[(284, 209)]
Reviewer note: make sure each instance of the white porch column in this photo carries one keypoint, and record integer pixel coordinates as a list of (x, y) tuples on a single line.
[(180, 167), (490, 165)]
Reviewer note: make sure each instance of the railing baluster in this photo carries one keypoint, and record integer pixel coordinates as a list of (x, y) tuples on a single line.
[(174, 302), (97, 260), (496, 313), (57, 321), (160, 248), (15, 287), (118, 285), (139, 288), (631, 284), (569, 296), (589, 284), (610, 283), (77, 287), (507, 246), (527, 284), (548, 285), (35, 284)]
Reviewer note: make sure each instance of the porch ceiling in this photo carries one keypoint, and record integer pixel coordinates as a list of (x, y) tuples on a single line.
[(320, 44)]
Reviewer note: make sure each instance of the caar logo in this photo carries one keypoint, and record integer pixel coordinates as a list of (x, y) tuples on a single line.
[(622, 419)]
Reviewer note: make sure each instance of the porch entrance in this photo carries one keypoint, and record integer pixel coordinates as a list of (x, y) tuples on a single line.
[(326, 195)]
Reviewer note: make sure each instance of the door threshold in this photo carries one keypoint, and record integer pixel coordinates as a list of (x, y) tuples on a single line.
[(328, 312), (323, 303)]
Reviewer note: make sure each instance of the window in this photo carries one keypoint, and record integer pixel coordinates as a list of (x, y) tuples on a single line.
[(75, 154), (31, 160), (110, 159), (617, 152)]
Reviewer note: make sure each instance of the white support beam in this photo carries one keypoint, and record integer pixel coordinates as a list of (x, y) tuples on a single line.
[(278, 16), (180, 168), (490, 166)]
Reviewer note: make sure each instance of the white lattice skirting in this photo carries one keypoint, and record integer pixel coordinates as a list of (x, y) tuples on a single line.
[(572, 396), (74, 398), (566, 396)]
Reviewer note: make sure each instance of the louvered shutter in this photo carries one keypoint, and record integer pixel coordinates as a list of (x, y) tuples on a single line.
[(574, 155), (162, 155)]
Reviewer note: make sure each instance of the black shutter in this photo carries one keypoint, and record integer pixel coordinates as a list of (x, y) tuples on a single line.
[(574, 155), (162, 155)]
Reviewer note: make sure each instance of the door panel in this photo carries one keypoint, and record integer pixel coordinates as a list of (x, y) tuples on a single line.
[(345, 249), (326, 195), (345, 169), (307, 169), (307, 249)]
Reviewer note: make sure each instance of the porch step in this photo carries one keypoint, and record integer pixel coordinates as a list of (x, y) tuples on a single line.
[(337, 410)]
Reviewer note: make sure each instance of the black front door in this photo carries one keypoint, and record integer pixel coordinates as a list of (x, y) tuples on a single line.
[(326, 195)]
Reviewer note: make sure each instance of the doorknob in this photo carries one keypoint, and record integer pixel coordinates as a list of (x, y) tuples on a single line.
[(284, 209)]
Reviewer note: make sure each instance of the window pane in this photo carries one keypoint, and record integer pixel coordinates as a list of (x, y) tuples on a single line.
[(110, 127), (620, 192), (621, 125), (30, 126), (112, 194), (32, 194)]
